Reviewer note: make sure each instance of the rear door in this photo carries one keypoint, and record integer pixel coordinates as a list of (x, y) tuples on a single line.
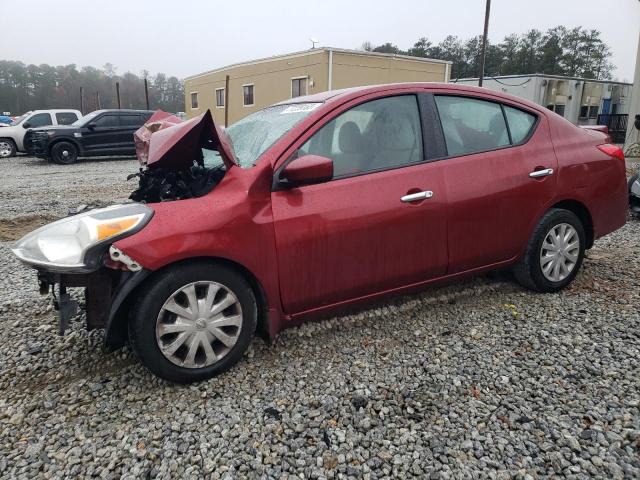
[(500, 173), (129, 123), (359, 234)]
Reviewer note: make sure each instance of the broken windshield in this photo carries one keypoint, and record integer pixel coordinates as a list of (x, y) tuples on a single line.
[(254, 134)]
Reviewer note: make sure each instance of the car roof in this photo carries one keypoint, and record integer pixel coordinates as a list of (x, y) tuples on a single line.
[(55, 110), (345, 94), (121, 110)]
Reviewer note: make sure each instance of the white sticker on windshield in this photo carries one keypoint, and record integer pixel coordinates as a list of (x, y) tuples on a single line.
[(301, 107)]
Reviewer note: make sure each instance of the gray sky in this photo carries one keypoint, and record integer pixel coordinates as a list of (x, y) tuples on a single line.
[(184, 37)]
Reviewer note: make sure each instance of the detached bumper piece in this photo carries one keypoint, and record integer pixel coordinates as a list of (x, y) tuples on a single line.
[(99, 287), (35, 143)]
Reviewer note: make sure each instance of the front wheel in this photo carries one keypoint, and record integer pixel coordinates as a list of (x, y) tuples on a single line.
[(64, 153), (193, 322), (554, 254), (7, 148)]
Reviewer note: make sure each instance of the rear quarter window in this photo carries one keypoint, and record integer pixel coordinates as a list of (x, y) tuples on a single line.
[(66, 118), (520, 123)]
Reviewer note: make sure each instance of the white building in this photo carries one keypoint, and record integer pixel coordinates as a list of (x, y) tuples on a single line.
[(633, 135), (579, 100)]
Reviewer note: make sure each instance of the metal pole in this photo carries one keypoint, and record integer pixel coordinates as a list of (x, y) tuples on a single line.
[(226, 101), (82, 100), (146, 92), (483, 53), (98, 101), (118, 94)]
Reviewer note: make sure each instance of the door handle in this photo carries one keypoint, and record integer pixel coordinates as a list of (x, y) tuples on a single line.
[(412, 197), (541, 173)]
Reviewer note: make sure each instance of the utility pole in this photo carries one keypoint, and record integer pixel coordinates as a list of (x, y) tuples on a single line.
[(146, 92), (98, 101), (226, 101), (483, 53), (118, 94), (82, 100)]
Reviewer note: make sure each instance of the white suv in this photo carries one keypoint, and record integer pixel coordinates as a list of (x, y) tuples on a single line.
[(11, 137)]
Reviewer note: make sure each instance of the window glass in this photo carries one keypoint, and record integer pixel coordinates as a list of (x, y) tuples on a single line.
[(298, 87), (247, 91), (220, 97), (194, 100), (40, 120), (471, 125), (131, 120), (593, 111), (560, 110), (107, 121), (520, 123), (255, 133), (66, 118), (584, 111), (376, 135)]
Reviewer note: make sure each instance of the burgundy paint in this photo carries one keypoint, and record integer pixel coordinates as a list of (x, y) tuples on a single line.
[(322, 248), (176, 146), (309, 168)]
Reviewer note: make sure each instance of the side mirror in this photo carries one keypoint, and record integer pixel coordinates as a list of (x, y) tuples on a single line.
[(92, 125), (308, 169), (26, 125)]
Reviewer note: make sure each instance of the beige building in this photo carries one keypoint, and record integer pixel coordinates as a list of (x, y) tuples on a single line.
[(259, 83)]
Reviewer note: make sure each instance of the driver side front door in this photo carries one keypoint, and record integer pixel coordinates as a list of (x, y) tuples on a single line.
[(360, 234)]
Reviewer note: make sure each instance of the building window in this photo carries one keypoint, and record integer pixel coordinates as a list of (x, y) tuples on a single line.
[(298, 87), (194, 100), (560, 110), (584, 111), (593, 111), (247, 94), (219, 97)]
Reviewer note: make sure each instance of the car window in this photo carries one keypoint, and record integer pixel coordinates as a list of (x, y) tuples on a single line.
[(471, 125), (66, 118), (131, 120), (40, 120), (520, 123), (372, 136), (107, 121)]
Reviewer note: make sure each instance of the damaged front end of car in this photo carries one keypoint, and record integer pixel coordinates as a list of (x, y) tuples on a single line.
[(178, 160)]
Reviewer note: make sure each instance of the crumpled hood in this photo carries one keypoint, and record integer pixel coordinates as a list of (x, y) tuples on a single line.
[(167, 142)]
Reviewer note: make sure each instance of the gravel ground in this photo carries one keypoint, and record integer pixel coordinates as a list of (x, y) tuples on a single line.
[(480, 379)]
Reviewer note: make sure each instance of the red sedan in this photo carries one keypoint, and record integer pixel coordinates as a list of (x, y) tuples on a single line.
[(325, 202)]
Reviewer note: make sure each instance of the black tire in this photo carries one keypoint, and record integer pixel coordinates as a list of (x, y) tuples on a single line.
[(528, 271), (7, 148), (152, 297), (64, 153)]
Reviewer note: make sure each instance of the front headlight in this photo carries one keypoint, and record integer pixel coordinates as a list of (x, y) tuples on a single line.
[(72, 243)]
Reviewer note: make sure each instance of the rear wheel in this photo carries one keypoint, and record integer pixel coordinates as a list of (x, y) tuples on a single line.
[(7, 148), (193, 322), (554, 253), (64, 153)]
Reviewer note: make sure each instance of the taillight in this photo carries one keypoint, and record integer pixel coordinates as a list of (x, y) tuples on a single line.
[(612, 150)]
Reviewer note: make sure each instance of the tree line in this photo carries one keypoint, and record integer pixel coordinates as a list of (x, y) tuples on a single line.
[(31, 87), (575, 52)]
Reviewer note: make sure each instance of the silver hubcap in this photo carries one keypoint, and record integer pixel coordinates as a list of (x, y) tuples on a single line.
[(559, 252), (5, 149), (199, 324)]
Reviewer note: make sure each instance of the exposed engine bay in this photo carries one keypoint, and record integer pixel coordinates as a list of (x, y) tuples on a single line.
[(179, 159)]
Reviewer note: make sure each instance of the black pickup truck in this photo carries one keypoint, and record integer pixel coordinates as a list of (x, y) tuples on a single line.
[(103, 132)]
